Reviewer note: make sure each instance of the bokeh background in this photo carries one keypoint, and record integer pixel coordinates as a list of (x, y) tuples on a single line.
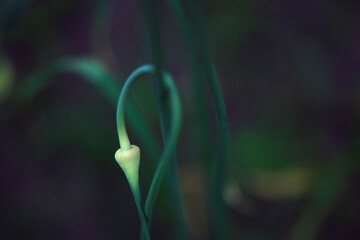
[(289, 72)]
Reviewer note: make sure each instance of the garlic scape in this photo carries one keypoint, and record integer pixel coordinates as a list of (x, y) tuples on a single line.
[(128, 156)]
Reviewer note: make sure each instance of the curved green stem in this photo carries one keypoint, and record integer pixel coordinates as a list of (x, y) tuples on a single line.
[(137, 196), (170, 147), (151, 13), (120, 119)]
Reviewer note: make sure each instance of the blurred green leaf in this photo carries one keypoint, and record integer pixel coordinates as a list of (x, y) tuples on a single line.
[(6, 78), (325, 196), (268, 149), (94, 72)]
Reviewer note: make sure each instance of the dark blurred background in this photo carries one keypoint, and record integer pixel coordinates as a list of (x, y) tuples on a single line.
[(289, 72)]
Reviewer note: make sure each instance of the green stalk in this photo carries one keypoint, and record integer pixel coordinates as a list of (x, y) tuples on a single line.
[(120, 120), (144, 224), (220, 219), (131, 169), (200, 103), (169, 148), (163, 165), (129, 161), (197, 77), (150, 13)]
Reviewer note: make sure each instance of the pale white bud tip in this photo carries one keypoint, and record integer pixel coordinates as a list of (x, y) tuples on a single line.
[(129, 161)]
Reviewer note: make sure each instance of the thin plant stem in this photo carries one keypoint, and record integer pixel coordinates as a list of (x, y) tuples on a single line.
[(125, 142), (120, 120), (150, 13), (135, 189), (200, 103), (170, 147), (197, 77), (220, 218)]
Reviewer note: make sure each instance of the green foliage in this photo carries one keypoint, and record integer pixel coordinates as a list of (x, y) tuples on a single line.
[(266, 150), (6, 78), (95, 73), (259, 153), (169, 113)]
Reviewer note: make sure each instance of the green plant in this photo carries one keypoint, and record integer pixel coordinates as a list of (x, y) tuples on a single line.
[(169, 108), (128, 156)]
